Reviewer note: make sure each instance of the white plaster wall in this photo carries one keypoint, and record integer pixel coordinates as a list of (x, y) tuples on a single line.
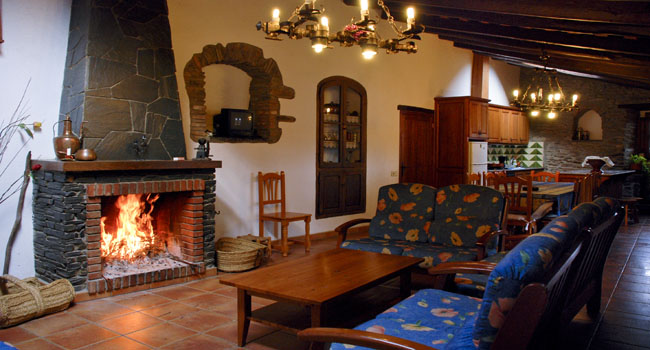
[(504, 78), (438, 69), (36, 37)]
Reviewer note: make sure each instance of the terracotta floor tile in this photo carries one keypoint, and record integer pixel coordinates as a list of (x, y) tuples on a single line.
[(161, 335), (97, 310), (16, 334), (229, 292), (130, 323), (202, 321), (81, 336), (54, 323), (200, 341), (178, 292), (208, 301), (38, 344), (121, 343), (229, 332), (208, 284), (170, 311), (143, 302)]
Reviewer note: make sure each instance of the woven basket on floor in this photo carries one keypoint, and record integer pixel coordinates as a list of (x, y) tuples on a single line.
[(234, 254), (29, 298)]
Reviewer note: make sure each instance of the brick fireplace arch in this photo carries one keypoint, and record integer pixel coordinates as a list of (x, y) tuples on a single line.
[(266, 88)]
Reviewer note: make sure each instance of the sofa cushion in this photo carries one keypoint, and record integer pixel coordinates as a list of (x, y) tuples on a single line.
[(435, 254), (404, 212), (464, 213), (586, 214), (374, 245), (528, 262), (607, 207), (431, 317)]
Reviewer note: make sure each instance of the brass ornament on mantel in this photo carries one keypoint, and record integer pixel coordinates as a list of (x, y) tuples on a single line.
[(66, 145)]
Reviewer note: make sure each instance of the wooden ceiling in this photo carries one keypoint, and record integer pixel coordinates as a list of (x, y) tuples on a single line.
[(607, 40)]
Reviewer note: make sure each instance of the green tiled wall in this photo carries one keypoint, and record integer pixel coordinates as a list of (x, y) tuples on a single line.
[(528, 156)]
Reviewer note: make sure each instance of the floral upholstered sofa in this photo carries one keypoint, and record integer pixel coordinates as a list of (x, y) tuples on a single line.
[(515, 306), (453, 223)]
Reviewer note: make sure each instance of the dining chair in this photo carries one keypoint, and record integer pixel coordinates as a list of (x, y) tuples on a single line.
[(545, 176), (474, 179), (519, 192), (488, 177), (272, 192)]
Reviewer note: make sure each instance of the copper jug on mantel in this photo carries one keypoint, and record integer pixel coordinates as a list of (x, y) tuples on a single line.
[(66, 145)]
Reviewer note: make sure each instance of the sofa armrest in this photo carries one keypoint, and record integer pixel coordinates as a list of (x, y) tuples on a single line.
[(359, 338), (481, 244), (445, 273), (343, 228)]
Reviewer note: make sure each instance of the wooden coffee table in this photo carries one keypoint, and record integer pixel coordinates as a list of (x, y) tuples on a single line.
[(315, 281)]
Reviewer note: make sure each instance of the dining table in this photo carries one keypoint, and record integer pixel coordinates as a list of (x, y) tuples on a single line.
[(560, 193)]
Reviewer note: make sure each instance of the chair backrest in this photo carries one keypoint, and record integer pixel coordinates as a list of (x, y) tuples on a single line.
[(587, 188), (474, 179), (464, 213), (512, 188), (271, 190), (545, 176), (404, 212), (527, 284), (488, 177)]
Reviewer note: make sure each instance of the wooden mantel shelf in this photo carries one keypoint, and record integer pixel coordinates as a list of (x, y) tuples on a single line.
[(118, 165)]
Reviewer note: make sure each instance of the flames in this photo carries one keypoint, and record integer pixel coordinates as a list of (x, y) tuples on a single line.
[(132, 233)]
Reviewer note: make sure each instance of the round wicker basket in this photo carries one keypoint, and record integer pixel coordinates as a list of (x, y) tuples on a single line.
[(234, 254)]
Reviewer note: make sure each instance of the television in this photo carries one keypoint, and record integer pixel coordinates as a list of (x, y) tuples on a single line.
[(234, 123)]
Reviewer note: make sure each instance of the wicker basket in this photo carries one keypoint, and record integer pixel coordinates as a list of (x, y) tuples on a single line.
[(234, 254), (29, 298)]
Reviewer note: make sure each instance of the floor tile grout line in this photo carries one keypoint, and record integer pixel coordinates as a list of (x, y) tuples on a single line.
[(601, 316)]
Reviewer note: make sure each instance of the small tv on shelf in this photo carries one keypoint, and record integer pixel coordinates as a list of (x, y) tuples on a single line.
[(234, 123)]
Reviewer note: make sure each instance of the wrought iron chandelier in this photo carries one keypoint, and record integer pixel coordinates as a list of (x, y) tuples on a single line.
[(533, 98), (362, 32)]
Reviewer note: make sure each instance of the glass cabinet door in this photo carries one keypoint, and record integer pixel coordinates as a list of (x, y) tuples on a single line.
[(352, 126), (331, 125)]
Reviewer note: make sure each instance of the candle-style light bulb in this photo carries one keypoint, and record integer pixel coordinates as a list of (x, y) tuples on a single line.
[(516, 94), (533, 97), (410, 18), (364, 9), (550, 98), (534, 113), (325, 23), (557, 96), (275, 18), (551, 115), (575, 99)]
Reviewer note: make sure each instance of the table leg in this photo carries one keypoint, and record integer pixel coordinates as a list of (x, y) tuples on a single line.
[(243, 315), (405, 284), (307, 239), (317, 320)]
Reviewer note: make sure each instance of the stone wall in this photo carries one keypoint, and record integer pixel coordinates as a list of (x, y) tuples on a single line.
[(619, 125), (120, 79)]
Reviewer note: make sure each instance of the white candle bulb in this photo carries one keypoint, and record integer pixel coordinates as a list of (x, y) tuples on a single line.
[(364, 8), (325, 22), (533, 96), (275, 18), (516, 94), (557, 96), (575, 99), (410, 17), (550, 97)]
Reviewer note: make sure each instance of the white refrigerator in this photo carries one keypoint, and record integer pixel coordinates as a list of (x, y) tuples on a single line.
[(478, 157)]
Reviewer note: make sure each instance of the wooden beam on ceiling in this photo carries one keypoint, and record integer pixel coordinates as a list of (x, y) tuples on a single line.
[(620, 12), (638, 76), (614, 44)]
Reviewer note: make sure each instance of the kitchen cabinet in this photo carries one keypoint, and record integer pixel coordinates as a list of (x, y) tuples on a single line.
[(341, 147), (507, 125), (457, 121)]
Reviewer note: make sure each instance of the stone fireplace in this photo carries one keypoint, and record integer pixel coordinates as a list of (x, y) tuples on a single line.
[(70, 199)]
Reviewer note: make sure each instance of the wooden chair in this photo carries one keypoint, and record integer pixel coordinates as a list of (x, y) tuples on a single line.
[(545, 176), (521, 208), (474, 179), (488, 177), (272, 192)]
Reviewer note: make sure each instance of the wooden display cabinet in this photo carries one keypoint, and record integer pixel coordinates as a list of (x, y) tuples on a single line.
[(341, 148)]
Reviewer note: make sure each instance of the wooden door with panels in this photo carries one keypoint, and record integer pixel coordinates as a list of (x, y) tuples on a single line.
[(416, 145)]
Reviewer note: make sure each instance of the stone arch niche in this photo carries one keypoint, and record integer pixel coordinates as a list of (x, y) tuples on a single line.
[(266, 88), (591, 122)]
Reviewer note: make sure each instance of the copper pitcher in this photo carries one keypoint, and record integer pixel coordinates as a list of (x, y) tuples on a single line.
[(66, 145)]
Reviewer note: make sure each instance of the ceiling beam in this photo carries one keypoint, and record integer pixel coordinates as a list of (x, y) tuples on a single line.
[(620, 12), (614, 44)]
